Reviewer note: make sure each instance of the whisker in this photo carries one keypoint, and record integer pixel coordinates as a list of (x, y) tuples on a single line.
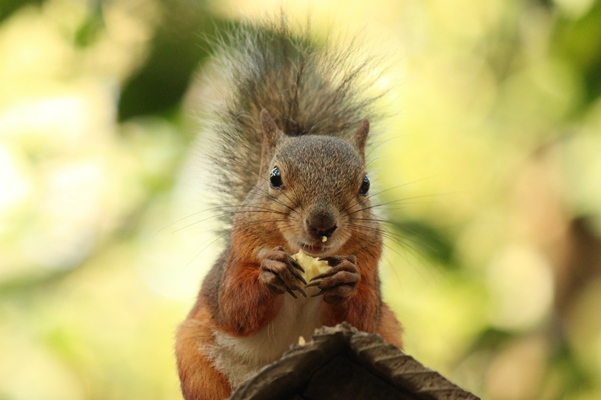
[(398, 186), (291, 208), (405, 246), (258, 211), (374, 206), (219, 237)]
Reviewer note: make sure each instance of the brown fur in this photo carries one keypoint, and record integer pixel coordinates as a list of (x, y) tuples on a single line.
[(247, 313), (199, 379), (235, 301)]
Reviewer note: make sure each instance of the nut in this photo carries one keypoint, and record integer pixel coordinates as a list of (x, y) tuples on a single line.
[(312, 266)]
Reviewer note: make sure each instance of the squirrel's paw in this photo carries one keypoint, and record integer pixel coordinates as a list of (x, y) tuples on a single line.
[(280, 273), (340, 281)]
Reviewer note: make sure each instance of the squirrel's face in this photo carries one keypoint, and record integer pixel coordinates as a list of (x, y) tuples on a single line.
[(318, 188)]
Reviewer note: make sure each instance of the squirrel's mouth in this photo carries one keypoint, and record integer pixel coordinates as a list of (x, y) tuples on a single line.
[(316, 249)]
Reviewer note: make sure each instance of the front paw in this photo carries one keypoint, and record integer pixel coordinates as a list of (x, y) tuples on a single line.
[(280, 273), (340, 282)]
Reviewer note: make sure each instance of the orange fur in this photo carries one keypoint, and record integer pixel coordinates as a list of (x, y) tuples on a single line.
[(198, 376), (246, 306), (390, 328), (291, 190)]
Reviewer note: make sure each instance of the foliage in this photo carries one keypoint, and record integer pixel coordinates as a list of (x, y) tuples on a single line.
[(489, 168)]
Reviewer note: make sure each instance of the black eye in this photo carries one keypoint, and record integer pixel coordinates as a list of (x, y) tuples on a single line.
[(275, 178), (364, 186)]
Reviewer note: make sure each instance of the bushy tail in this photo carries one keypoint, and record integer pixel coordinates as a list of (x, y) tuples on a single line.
[(307, 88)]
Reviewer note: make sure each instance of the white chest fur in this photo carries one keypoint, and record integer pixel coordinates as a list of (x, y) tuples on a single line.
[(238, 358)]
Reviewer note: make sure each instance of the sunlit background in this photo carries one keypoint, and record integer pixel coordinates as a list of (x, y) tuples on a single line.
[(489, 161)]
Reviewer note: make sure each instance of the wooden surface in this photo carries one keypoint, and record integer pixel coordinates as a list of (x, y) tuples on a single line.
[(342, 363)]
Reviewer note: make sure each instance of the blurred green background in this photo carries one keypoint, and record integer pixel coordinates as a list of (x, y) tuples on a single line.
[(490, 165)]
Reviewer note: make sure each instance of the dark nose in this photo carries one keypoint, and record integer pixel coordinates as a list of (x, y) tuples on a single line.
[(321, 223)]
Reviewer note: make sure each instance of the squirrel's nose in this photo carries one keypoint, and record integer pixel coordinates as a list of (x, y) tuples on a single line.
[(320, 224)]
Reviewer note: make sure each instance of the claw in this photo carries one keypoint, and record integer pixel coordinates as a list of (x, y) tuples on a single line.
[(328, 258), (299, 277), (321, 276), (296, 265), (316, 283), (335, 260), (318, 293), (301, 290), (292, 293)]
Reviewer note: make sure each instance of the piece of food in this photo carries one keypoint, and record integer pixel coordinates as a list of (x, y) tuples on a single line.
[(312, 266)]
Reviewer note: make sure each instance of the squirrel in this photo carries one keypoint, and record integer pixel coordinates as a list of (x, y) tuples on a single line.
[(290, 171)]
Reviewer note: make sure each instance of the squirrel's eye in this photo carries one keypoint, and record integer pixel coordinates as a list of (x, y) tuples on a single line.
[(275, 178), (364, 186)]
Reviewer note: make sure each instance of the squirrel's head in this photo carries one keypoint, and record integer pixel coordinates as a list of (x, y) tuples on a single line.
[(318, 188)]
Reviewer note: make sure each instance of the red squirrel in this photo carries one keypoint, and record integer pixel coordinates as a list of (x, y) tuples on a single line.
[(290, 169)]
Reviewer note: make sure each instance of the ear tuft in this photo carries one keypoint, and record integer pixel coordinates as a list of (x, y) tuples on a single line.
[(359, 138), (269, 127), (271, 135)]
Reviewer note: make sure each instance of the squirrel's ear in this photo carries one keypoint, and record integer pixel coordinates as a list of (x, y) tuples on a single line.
[(359, 138), (271, 135), (270, 129)]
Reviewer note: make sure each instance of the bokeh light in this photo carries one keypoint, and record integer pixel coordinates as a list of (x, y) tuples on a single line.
[(489, 162)]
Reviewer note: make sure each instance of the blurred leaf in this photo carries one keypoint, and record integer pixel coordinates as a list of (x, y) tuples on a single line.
[(178, 47), (26, 284), (574, 375), (8, 7), (492, 338), (578, 40), (91, 27), (425, 239)]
